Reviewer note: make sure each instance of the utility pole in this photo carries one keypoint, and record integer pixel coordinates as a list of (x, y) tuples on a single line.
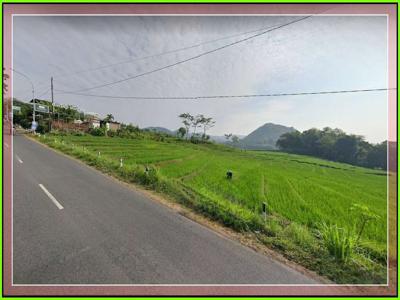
[(52, 103), (33, 90), (33, 98)]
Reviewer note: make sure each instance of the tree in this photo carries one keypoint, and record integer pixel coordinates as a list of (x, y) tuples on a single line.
[(181, 132), (207, 124), (377, 156), (187, 122), (290, 142), (235, 139), (335, 145), (196, 121), (108, 118), (228, 136), (346, 148), (311, 141), (24, 116)]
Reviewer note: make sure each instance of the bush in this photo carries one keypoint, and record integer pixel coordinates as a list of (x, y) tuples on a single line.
[(111, 133), (339, 242), (97, 131)]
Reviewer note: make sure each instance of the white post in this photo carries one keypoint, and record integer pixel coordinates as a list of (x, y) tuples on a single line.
[(120, 163), (98, 154)]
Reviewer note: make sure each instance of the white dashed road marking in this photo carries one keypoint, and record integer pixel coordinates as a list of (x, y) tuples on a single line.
[(51, 197), (19, 159)]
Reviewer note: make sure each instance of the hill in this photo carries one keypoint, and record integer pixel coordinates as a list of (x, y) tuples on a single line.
[(264, 137), (160, 130)]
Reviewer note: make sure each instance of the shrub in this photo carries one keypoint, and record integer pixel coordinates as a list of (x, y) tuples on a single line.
[(97, 131), (111, 133), (338, 241), (363, 215)]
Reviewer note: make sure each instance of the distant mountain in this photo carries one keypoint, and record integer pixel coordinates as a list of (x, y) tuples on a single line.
[(160, 130), (264, 137)]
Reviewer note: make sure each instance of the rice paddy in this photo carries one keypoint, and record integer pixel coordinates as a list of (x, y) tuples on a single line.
[(298, 190)]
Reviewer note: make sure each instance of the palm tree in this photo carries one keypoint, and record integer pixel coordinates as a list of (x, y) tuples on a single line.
[(109, 118)]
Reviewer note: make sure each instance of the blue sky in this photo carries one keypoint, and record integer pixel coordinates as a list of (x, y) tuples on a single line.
[(318, 54)]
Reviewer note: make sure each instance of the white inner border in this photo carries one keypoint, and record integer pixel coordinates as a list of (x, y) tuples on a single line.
[(209, 15)]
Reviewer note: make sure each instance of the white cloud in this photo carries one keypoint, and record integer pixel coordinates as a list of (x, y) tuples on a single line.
[(321, 53)]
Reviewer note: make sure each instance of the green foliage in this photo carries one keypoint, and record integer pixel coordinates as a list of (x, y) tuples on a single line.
[(339, 242), (196, 122), (363, 216), (99, 131), (24, 117), (65, 113), (108, 118), (181, 132), (335, 145)]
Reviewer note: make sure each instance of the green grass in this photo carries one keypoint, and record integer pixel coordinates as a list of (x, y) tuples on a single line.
[(301, 192)]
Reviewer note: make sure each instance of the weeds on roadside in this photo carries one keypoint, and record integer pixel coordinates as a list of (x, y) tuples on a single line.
[(363, 216), (340, 242)]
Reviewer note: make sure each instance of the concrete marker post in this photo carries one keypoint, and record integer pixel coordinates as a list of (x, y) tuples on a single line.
[(264, 210)]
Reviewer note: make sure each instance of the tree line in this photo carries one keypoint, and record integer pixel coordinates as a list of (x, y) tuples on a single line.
[(335, 145), (195, 122)]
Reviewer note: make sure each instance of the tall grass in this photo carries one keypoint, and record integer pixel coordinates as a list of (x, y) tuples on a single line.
[(340, 242)]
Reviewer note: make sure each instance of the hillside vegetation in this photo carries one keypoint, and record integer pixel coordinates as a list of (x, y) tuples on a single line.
[(314, 207), (264, 137), (335, 145)]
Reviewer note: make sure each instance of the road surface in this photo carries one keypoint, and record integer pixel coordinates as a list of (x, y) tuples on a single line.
[(73, 225)]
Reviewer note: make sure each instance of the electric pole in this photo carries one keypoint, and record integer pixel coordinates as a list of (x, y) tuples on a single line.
[(52, 103)]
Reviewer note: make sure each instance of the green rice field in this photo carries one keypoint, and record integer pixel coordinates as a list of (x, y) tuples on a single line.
[(299, 191)]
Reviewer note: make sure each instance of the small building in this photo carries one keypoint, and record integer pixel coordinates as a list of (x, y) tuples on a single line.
[(113, 126), (93, 120)]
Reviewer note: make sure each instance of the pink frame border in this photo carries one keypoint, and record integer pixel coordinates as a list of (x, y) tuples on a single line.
[(290, 290)]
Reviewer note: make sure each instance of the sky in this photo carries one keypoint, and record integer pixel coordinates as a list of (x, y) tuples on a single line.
[(321, 53)]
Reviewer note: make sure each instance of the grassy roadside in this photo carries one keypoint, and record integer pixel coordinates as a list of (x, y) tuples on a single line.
[(296, 242)]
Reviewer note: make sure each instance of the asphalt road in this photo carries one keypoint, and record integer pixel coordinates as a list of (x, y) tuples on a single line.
[(106, 233)]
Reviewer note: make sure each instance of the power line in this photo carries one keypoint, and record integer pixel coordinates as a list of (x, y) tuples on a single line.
[(131, 60), (44, 93), (235, 96), (190, 58)]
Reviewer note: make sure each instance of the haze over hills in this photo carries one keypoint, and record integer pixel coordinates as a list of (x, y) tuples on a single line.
[(160, 130), (264, 137)]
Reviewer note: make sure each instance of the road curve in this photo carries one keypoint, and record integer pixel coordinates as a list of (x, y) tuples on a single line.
[(102, 232)]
